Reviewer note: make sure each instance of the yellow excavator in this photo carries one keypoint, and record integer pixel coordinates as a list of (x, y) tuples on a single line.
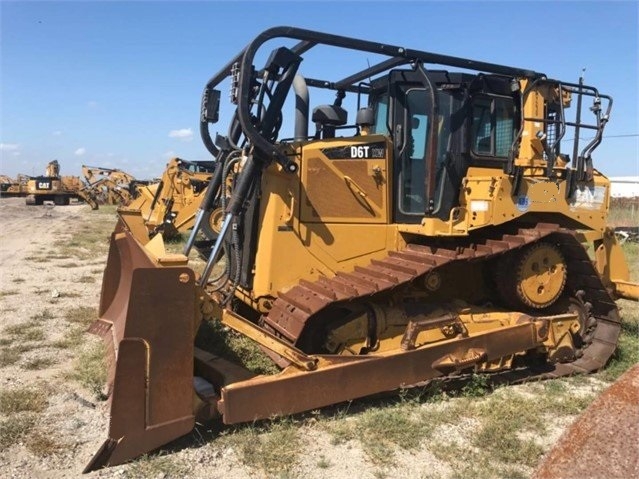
[(169, 205), (456, 224), (58, 189)]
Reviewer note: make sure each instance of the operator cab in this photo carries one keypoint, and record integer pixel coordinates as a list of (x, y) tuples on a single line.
[(441, 123)]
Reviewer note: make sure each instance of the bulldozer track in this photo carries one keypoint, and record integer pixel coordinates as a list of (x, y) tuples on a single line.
[(293, 309)]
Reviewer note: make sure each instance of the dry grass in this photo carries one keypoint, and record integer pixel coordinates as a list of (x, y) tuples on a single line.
[(25, 332), (14, 428), (154, 466), (37, 259), (23, 399), (84, 279), (69, 265), (43, 315), (44, 443), (272, 448), (38, 364), (87, 241), (9, 356), (90, 369), (79, 318)]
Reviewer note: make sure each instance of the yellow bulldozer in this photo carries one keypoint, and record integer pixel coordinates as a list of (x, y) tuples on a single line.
[(456, 224), (169, 206)]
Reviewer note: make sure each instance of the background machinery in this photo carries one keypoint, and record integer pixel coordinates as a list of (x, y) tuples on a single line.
[(169, 205), (13, 188), (110, 186), (59, 189), (447, 228)]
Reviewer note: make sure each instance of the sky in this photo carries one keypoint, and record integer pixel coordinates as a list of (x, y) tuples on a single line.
[(118, 84)]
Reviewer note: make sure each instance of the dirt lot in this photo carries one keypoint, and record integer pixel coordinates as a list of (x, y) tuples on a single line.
[(52, 418)]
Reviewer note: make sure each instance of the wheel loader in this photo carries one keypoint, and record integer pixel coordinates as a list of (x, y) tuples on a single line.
[(437, 216)]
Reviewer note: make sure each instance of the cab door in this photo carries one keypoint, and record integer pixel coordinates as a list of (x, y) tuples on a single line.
[(411, 123)]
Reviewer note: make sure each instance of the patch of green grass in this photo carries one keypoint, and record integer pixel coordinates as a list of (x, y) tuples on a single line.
[(25, 332), (405, 422), (86, 241), (157, 466), (14, 428), (72, 339), (90, 369), (81, 315), (272, 447), (18, 280), (499, 440), (381, 430), (476, 386), (466, 461), (8, 292), (24, 399), (216, 338)]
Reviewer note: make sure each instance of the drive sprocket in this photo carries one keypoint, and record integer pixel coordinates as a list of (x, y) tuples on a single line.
[(533, 277)]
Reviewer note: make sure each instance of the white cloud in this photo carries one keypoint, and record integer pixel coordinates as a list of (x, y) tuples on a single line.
[(80, 151), (57, 133), (169, 154), (92, 104), (184, 134), (9, 146)]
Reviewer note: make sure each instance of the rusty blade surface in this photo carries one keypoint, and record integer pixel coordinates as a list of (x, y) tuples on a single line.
[(353, 377), (147, 321), (603, 443)]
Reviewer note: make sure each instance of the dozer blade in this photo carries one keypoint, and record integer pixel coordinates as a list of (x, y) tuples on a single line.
[(147, 322)]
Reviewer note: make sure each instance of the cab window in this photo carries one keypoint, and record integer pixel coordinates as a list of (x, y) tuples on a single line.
[(492, 126)]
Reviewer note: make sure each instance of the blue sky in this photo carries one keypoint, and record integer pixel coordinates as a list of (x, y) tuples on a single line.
[(118, 84)]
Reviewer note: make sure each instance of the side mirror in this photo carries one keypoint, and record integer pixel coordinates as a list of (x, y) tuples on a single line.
[(212, 105)]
